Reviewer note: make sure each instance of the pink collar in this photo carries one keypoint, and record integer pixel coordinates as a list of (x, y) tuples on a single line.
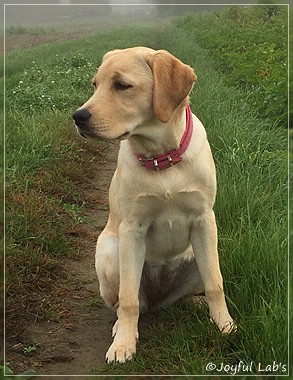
[(173, 157)]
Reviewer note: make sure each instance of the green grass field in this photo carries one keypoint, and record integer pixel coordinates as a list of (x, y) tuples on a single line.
[(43, 86)]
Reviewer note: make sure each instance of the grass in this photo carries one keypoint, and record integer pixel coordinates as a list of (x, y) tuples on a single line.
[(251, 207), (237, 39)]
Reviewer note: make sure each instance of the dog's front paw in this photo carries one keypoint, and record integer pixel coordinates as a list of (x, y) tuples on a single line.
[(120, 352), (229, 327), (115, 329), (225, 324)]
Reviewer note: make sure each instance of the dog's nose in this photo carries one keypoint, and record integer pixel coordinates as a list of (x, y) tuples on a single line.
[(81, 116)]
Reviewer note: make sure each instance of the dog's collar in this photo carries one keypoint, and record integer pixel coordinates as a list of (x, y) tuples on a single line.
[(173, 157)]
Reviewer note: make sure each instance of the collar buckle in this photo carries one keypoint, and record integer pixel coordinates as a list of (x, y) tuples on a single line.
[(171, 158)]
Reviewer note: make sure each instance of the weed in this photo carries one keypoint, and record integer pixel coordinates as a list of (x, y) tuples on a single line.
[(95, 302), (30, 349), (52, 315), (74, 211), (6, 370)]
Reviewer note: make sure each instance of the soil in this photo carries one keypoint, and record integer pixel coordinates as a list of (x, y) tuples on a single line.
[(76, 342), (29, 40)]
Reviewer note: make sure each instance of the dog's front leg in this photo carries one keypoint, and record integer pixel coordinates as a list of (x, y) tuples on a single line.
[(131, 260), (204, 243)]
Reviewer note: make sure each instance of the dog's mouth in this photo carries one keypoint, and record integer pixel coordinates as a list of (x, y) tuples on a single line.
[(124, 136), (85, 133), (88, 134)]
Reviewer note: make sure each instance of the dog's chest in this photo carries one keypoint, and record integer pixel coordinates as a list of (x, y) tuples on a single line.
[(167, 203), (169, 217)]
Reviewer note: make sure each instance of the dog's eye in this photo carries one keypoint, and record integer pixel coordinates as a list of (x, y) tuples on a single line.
[(121, 86), (94, 84)]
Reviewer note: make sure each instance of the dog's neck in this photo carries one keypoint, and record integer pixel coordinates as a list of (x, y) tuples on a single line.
[(155, 137)]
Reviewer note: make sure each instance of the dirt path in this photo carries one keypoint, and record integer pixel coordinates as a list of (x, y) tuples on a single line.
[(77, 341)]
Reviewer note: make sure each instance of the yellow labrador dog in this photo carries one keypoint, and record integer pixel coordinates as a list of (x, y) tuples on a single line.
[(160, 241)]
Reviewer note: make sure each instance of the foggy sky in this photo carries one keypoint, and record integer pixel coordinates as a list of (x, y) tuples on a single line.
[(31, 15)]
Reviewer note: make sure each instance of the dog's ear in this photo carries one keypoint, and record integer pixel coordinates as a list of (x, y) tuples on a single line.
[(173, 80)]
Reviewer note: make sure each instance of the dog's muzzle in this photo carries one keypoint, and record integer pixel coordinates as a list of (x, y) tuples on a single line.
[(81, 118)]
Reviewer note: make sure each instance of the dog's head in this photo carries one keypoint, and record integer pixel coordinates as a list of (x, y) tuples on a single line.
[(132, 88)]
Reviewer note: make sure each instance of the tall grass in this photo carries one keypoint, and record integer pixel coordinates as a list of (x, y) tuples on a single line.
[(251, 203), (249, 45)]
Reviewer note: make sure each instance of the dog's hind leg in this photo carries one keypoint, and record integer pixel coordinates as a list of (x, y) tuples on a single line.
[(107, 267), (164, 284)]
